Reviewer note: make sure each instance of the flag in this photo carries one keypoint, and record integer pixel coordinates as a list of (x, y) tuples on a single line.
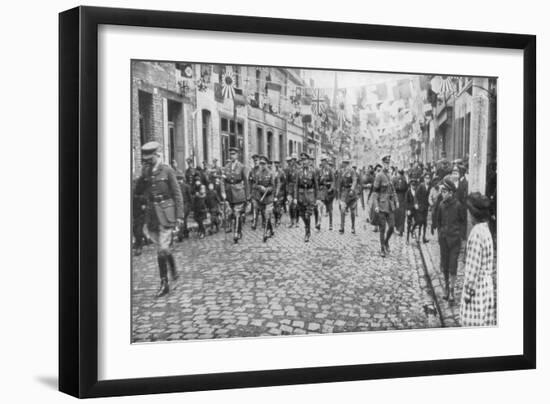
[(186, 70), (228, 85), (318, 102), (448, 87), (273, 95)]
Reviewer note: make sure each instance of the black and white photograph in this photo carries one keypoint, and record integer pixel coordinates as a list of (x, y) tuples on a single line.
[(272, 201)]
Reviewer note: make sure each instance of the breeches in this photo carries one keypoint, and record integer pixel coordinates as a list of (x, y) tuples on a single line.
[(162, 239)]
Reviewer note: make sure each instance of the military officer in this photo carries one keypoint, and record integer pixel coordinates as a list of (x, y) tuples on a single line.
[(139, 203), (385, 202), (347, 192), (327, 186), (305, 192), (253, 195), (279, 197), (291, 177), (235, 191), (264, 186), (164, 209)]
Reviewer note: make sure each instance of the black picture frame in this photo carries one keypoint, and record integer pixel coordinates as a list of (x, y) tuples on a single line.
[(78, 196)]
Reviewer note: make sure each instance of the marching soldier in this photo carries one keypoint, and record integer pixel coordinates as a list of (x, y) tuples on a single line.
[(253, 195), (235, 191), (385, 202), (347, 187), (326, 181), (291, 177), (264, 186), (138, 213), (164, 209), (279, 200), (305, 193)]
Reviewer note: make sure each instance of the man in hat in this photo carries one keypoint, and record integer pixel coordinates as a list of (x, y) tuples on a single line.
[(347, 184), (385, 202), (235, 191), (291, 175), (253, 193), (305, 193), (327, 185), (279, 193), (191, 172), (401, 186), (187, 195), (449, 219), (264, 186), (164, 209)]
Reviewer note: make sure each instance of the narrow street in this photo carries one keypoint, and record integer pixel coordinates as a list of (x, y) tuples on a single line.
[(334, 283)]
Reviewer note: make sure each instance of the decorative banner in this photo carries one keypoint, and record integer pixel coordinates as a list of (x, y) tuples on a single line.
[(448, 86), (318, 102), (228, 85)]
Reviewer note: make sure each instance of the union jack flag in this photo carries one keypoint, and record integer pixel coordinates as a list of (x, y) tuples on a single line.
[(319, 102)]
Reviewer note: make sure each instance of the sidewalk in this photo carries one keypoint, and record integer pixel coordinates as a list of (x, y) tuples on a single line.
[(449, 312)]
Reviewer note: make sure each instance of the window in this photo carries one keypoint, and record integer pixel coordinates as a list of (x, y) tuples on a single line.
[(224, 125), (269, 145), (290, 149), (260, 140)]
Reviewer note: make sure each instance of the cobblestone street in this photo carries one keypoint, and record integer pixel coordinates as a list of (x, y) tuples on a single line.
[(334, 283)]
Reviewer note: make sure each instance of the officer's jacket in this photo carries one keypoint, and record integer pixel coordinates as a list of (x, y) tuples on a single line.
[(252, 180), (326, 182), (280, 183), (347, 181), (305, 189), (384, 193), (163, 195), (235, 183), (291, 175), (264, 186)]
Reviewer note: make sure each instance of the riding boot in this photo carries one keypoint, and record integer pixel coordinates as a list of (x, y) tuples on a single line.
[(254, 219), (235, 229), (264, 226), (229, 229), (387, 242), (352, 222), (240, 223), (172, 266), (307, 222), (270, 227), (446, 297), (317, 224), (330, 220), (342, 222), (163, 289)]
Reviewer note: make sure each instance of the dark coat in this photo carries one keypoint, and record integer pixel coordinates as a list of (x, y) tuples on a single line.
[(327, 184), (449, 219), (305, 191)]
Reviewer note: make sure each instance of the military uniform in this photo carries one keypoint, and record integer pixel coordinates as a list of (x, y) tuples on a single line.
[(291, 176), (254, 197), (385, 202), (280, 195), (164, 208), (347, 184), (138, 213), (305, 193), (327, 188), (235, 189), (264, 188)]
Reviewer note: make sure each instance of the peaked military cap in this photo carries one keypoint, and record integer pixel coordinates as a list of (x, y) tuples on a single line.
[(149, 149)]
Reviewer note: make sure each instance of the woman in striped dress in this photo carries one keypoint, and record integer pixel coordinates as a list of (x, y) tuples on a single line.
[(478, 304)]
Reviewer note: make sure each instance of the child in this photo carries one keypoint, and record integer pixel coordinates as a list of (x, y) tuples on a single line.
[(213, 204), (200, 209)]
